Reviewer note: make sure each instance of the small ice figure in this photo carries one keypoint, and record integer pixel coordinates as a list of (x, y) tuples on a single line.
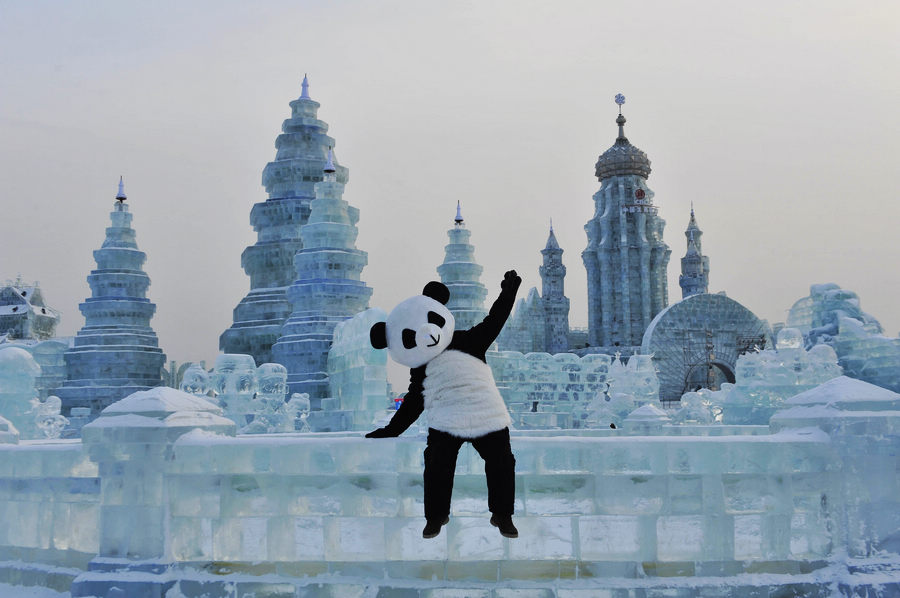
[(47, 416), (234, 380), (789, 338), (196, 381), (303, 407), (270, 412)]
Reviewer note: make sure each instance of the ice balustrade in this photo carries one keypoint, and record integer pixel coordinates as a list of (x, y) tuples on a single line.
[(162, 488)]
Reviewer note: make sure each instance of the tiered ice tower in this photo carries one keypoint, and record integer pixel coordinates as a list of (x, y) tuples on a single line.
[(626, 257), (327, 289), (289, 181), (694, 278), (116, 353), (462, 276)]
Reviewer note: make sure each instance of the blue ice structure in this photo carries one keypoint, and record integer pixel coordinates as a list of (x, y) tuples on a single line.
[(116, 353), (302, 151), (832, 315), (626, 257), (327, 289), (462, 275)]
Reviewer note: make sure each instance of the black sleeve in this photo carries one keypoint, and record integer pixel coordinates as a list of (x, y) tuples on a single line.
[(412, 406), (482, 335)]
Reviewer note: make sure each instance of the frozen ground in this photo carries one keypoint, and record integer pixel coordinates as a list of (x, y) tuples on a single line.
[(8, 591)]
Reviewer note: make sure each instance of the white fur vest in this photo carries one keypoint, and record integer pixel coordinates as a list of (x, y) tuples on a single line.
[(461, 397)]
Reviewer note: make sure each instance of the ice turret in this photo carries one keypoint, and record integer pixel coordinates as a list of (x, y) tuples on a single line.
[(327, 289), (116, 353), (694, 277), (302, 152), (626, 257), (462, 276), (553, 297)]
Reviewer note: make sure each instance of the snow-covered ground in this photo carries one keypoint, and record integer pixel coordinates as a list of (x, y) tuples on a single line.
[(8, 591)]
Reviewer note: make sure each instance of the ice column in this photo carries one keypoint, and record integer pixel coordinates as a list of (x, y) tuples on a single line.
[(116, 353), (327, 290), (302, 150), (462, 276)]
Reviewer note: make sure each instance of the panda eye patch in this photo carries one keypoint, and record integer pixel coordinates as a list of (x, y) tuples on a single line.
[(436, 319), (409, 338)]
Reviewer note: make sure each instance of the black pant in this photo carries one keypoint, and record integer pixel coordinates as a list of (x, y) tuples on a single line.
[(440, 465)]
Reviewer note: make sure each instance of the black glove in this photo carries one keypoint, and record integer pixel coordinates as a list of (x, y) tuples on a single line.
[(511, 281), (381, 433)]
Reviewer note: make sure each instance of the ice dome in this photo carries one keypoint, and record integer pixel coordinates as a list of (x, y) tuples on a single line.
[(622, 158), (17, 364)]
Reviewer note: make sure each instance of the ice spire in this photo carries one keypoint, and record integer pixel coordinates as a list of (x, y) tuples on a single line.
[(459, 219), (304, 93), (121, 194), (620, 120), (329, 164)]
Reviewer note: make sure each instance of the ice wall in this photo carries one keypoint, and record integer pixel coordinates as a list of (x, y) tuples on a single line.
[(357, 373), (175, 500)]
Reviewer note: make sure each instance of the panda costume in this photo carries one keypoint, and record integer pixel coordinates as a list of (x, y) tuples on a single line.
[(451, 380)]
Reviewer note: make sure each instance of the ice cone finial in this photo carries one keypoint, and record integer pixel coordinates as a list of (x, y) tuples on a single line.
[(459, 218), (329, 164), (304, 94), (121, 194)]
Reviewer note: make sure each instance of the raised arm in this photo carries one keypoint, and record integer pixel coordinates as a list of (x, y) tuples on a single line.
[(484, 334), (409, 411)]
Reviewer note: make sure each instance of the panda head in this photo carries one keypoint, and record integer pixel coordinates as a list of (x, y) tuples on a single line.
[(418, 329)]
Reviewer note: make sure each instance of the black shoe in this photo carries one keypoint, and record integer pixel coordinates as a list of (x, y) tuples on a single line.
[(505, 524), (433, 527)]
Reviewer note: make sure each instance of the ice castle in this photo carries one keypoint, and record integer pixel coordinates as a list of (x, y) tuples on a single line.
[(462, 275), (116, 353), (781, 484), (302, 151)]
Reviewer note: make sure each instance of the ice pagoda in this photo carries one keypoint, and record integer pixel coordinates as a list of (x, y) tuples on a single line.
[(116, 353), (462, 275), (302, 150), (327, 289)]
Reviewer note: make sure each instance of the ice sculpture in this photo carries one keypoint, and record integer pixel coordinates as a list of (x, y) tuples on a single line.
[(18, 371), (764, 379), (357, 373), (289, 180), (696, 408), (116, 353), (462, 275), (196, 381), (327, 290), (8, 432), (271, 414), (832, 315), (235, 383), (47, 418), (636, 379)]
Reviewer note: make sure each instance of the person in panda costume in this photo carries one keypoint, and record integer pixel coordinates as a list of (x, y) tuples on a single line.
[(451, 381)]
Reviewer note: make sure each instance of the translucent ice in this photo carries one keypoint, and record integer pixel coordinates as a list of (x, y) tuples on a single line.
[(18, 372), (235, 383), (196, 381)]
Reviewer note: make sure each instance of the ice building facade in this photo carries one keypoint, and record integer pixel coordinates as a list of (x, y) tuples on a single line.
[(290, 179), (116, 353), (327, 289), (831, 315), (694, 278), (626, 258), (462, 275), (23, 313)]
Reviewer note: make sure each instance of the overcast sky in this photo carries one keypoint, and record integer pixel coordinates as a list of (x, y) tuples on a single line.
[(778, 120)]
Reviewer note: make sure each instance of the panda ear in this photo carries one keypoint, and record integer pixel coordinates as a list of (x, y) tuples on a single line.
[(437, 291), (378, 335)]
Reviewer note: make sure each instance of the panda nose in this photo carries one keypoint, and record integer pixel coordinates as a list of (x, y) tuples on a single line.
[(430, 335)]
